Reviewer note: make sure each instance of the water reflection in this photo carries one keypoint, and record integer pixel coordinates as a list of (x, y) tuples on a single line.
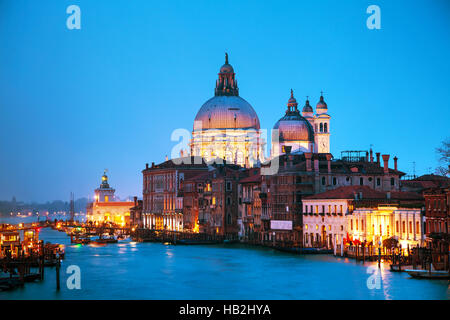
[(158, 271)]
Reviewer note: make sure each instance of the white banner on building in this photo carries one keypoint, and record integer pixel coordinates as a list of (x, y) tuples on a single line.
[(280, 224)]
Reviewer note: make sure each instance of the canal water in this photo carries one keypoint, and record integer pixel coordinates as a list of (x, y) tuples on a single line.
[(131, 270)]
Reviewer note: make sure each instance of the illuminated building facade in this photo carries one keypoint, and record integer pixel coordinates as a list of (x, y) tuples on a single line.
[(362, 214), (162, 204), (105, 208), (250, 208), (304, 174), (226, 126)]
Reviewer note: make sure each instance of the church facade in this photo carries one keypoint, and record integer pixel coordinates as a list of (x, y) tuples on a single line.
[(226, 126)]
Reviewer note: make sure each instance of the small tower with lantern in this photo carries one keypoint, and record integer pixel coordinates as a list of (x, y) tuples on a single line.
[(104, 193)]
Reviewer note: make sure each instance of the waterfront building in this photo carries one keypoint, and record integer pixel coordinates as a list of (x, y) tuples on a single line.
[(361, 213), (162, 207), (250, 208), (226, 126), (197, 202), (106, 207), (437, 221), (136, 214), (437, 210)]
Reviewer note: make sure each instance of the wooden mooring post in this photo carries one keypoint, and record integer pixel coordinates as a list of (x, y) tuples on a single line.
[(58, 266)]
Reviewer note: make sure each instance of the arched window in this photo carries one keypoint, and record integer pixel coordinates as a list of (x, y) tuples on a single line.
[(361, 181), (323, 181), (321, 127), (325, 127)]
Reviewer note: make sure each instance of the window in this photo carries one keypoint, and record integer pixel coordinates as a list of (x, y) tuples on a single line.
[(362, 225), (342, 228), (381, 230), (323, 181), (228, 200), (392, 182), (356, 220), (321, 127), (325, 127), (340, 209), (334, 181), (404, 227), (229, 219), (417, 227), (396, 226), (228, 186), (361, 181), (351, 224), (378, 182), (410, 227)]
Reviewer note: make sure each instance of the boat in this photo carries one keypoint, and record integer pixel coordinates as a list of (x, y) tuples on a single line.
[(104, 241), (397, 268), (299, 250), (428, 274), (190, 242), (227, 241), (81, 240)]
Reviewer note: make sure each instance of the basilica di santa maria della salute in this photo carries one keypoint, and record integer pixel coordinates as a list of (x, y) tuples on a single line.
[(227, 127)]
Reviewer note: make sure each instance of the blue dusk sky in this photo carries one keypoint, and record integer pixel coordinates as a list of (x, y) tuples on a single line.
[(73, 102)]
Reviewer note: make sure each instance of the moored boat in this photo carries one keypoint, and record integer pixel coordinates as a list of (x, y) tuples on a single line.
[(428, 274)]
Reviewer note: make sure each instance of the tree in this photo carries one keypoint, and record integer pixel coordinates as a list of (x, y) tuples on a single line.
[(444, 158)]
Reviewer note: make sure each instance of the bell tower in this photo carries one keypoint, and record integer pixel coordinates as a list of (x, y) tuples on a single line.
[(322, 126)]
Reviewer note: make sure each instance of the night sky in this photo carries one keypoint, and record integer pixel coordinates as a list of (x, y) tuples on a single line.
[(74, 102)]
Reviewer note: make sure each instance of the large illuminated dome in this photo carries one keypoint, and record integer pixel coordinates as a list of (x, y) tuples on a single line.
[(227, 126)]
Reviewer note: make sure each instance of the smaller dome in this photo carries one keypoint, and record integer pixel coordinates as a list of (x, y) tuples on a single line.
[(294, 127), (321, 104), (307, 107)]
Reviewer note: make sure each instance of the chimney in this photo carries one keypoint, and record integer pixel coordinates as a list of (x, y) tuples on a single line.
[(135, 201), (329, 162), (153, 164), (371, 155), (386, 163), (378, 158), (367, 156), (146, 166), (308, 156), (395, 163)]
